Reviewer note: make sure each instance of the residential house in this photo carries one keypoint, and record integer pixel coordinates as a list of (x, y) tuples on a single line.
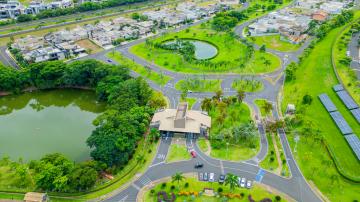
[(11, 9)]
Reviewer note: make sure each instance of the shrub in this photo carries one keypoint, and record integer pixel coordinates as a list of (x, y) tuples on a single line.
[(272, 159), (307, 99), (186, 185), (163, 185), (242, 194), (277, 198), (149, 151), (272, 152), (220, 189), (152, 191), (172, 187)]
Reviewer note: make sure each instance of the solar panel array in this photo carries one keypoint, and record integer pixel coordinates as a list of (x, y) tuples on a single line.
[(338, 87), (354, 143), (328, 104), (341, 123), (347, 99), (356, 114)]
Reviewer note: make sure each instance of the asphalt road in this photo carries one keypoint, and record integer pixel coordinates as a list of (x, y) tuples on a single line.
[(353, 48)]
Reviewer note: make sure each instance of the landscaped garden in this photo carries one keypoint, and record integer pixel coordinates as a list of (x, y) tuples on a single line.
[(232, 54), (248, 85), (315, 139), (146, 72), (198, 85), (275, 42), (190, 189), (233, 135)]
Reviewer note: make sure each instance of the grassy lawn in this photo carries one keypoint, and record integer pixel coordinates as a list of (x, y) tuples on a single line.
[(230, 57), (347, 75), (315, 76), (247, 85), (258, 192), (270, 162), (157, 78), (236, 114), (274, 42), (202, 144), (177, 152), (234, 152), (199, 85), (284, 168), (89, 46)]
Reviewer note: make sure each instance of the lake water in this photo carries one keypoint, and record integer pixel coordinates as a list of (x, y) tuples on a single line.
[(43, 122), (203, 50)]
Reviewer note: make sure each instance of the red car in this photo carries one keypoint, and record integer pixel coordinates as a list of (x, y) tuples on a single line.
[(193, 154)]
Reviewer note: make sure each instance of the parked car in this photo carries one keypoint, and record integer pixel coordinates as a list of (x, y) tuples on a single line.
[(206, 177), (212, 177), (201, 176), (248, 184), (193, 154), (109, 61), (239, 181), (222, 179), (243, 182), (199, 165)]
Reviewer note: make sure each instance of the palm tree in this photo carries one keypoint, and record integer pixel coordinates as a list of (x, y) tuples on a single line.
[(232, 181), (267, 63), (177, 177), (218, 94), (240, 95)]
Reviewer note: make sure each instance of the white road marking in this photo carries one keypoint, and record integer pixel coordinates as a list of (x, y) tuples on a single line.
[(124, 199)]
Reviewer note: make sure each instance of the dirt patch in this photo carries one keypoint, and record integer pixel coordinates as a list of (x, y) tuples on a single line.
[(90, 46)]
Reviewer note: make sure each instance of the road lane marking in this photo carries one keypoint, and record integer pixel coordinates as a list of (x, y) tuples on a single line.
[(136, 187), (222, 167), (124, 199)]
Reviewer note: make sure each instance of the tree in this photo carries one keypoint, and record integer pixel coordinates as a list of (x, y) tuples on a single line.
[(83, 177), (307, 99), (232, 181), (263, 48), (218, 94), (240, 95), (177, 177), (267, 62)]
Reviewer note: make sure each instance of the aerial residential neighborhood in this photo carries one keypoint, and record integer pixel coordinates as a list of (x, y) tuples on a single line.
[(166, 100)]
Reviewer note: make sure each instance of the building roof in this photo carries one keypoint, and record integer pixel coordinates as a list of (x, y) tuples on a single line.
[(34, 196), (193, 120)]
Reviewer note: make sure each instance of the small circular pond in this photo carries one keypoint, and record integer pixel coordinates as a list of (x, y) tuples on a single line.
[(43, 122), (203, 50)]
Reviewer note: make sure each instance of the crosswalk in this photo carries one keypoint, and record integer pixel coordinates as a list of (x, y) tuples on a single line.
[(144, 180)]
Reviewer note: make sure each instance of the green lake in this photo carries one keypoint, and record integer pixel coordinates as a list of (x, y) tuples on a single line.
[(41, 122)]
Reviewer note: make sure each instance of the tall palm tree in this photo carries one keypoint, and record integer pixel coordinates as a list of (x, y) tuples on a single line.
[(267, 107), (267, 63), (177, 177), (232, 181)]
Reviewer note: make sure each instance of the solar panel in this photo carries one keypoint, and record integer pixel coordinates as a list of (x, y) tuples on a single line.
[(341, 123), (347, 99), (356, 114), (328, 104), (354, 143), (338, 87)]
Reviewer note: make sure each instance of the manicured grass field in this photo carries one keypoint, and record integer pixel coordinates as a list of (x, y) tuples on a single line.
[(236, 114), (177, 152), (257, 192), (200, 86), (247, 85), (231, 53), (347, 75), (157, 78), (274, 42), (315, 76)]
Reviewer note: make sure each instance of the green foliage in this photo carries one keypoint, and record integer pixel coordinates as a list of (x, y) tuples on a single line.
[(224, 21), (307, 99), (232, 181)]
